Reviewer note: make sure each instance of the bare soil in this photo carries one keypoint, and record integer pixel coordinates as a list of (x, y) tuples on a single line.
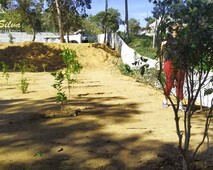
[(120, 123)]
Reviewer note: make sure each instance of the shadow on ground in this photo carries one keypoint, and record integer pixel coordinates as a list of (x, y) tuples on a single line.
[(31, 140)]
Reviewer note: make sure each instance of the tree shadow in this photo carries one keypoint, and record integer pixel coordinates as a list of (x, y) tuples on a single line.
[(82, 142), (69, 142)]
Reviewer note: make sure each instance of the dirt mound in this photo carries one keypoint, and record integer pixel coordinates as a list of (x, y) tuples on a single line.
[(36, 54)]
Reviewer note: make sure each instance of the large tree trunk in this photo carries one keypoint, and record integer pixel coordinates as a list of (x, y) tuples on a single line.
[(34, 34), (60, 22)]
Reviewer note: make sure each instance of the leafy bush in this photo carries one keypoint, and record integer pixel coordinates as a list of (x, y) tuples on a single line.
[(23, 86), (125, 70), (143, 46)]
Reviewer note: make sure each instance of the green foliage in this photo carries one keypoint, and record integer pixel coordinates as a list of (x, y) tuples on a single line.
[(194, 53), (72, 66), (149, 77), (66, 15), (143, 46), (60, 97), (44, 65), (28, 13), (149, 20), (112, 20), (23, 86), (90, 26), (11, 16), (125, 69), (134, 26), (5, 68), (22, 67)]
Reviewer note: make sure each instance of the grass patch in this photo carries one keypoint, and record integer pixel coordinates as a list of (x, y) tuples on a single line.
[(143, 45)]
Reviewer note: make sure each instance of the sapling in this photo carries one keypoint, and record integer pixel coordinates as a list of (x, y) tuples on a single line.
[(72, 66), (5, 68), (59, 78), (24, 85), (44, 65), (24, 82), (15, 66)]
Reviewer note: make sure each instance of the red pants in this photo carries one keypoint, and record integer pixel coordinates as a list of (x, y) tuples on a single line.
[(173, 76)]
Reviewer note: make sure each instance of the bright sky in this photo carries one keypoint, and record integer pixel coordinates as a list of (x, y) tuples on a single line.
[(138, 9)]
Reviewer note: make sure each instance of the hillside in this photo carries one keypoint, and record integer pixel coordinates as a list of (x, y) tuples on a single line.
[(35, 54)]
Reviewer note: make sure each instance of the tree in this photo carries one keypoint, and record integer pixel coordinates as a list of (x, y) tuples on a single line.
[(134, 26), (60, 25), (29, 12), (90, 26), (195, 34), (12, 16), (49, 21), (149, 21), (68, 13), (113, 18)]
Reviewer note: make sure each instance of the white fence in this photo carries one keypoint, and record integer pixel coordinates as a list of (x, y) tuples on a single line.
[(128, 55)]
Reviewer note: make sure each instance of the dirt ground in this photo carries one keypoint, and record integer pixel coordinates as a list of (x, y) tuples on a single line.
[(120, 123)]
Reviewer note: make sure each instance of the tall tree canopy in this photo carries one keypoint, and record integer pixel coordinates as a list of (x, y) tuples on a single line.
[(68, 13), (134, 26), (113, 20), (27, 12)]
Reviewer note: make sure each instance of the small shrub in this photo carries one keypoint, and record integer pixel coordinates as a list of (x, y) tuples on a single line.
[(44, 66), (73, 67), (5, 68), (125, 70), (143, 46), (60, 96), (24, 85)]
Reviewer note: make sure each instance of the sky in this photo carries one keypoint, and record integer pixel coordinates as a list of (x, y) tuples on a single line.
[(138, 9)]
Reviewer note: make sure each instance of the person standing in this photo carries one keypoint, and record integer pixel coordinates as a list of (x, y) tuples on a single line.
[(173, 67)]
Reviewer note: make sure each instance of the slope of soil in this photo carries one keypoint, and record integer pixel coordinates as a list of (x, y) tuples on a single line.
[(120, 123)]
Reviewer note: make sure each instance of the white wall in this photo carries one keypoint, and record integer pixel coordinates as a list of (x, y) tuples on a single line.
[(40, 37), (128, 55)]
